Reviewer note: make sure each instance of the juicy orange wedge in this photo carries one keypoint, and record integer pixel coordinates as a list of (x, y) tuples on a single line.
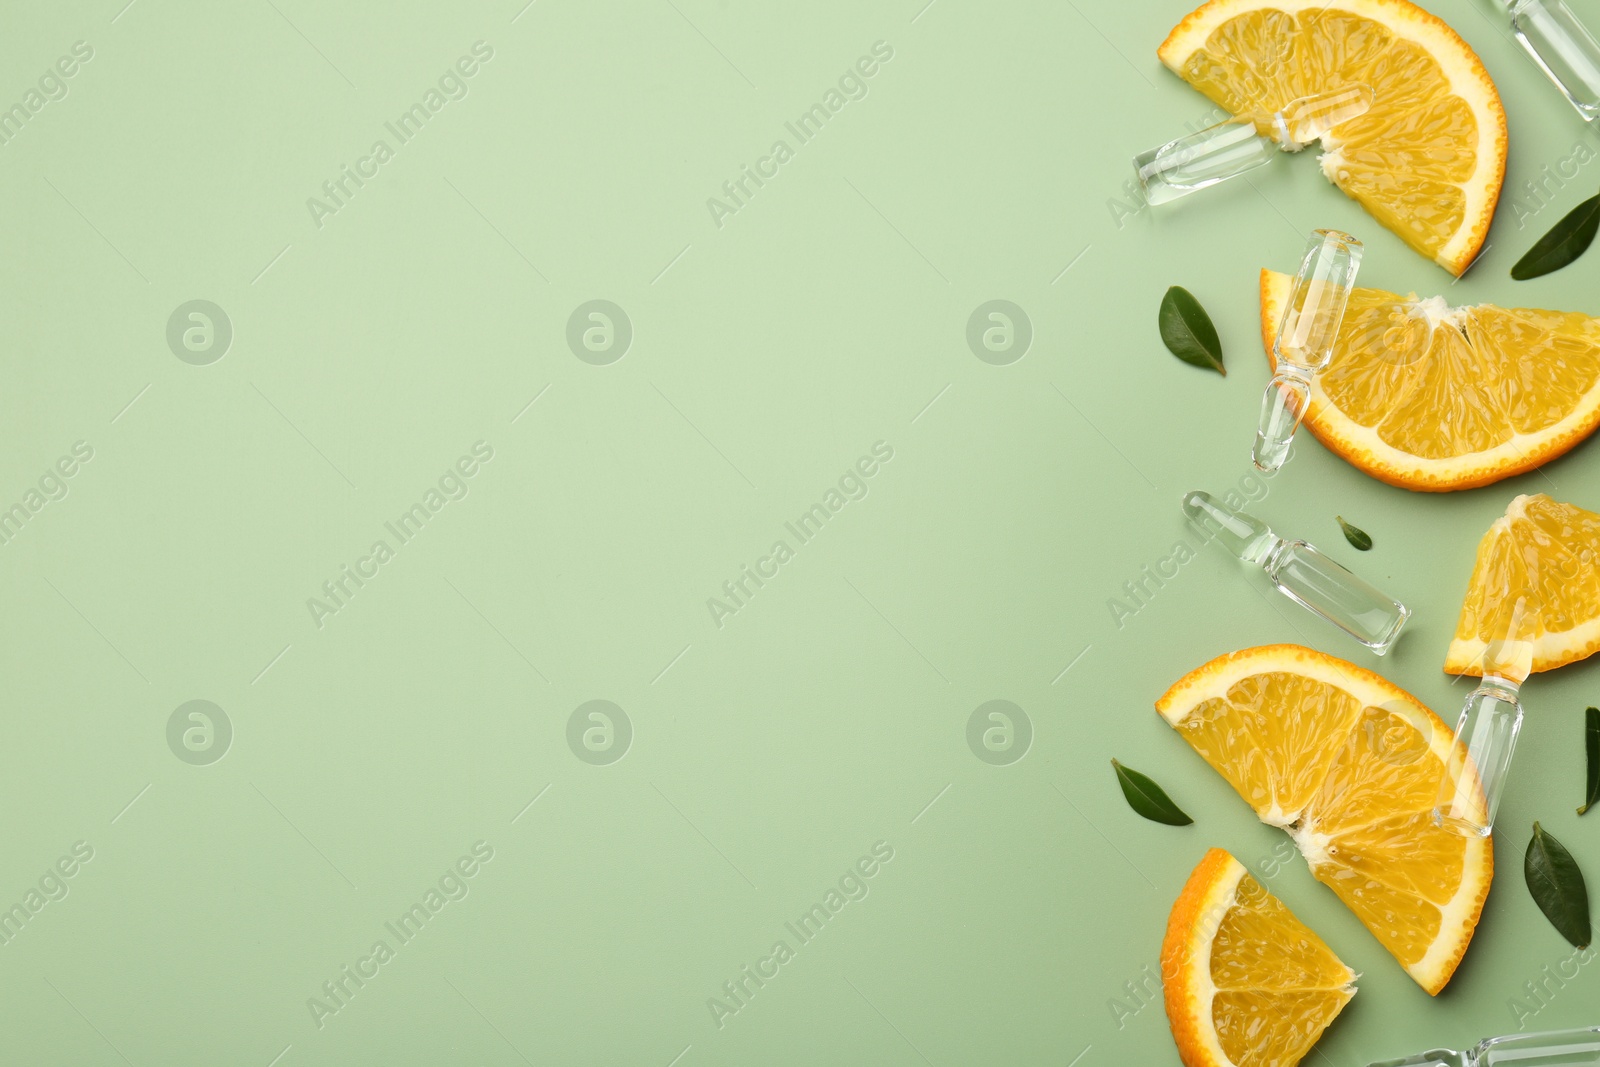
[(1545, 551), (1427, 160), (1350, 765), (1246, 983), (1431, 397)]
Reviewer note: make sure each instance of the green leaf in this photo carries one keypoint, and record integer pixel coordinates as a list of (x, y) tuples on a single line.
[(1557, 886), (1358, 538), (1566, 241), (1591, 738), (1187, 332), (1149, 799)]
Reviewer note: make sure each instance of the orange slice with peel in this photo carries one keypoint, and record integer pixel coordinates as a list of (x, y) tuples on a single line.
[(1350, 765), (1431, 397), (1427, 160), (1246, 983), (1545, 551)]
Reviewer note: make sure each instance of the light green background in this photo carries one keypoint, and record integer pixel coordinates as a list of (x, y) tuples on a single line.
[(768, 354)]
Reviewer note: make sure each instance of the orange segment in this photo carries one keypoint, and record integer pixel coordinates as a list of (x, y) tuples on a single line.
[(1427, 396), (1427, 160), (1246, 983), (1546, 551), (1351, 766), (1276, 764)]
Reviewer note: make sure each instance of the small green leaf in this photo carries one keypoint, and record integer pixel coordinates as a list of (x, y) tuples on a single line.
[(1591, 738), (1187, 331), (1149, 799), (1358, 538), (1557, 886), (1566, 241)]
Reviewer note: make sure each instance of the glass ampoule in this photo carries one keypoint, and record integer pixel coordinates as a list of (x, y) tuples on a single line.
[(1303, 574), (1562, 47), (1553, 1048), (1491, 719), (1307, 330), (1232, 148)]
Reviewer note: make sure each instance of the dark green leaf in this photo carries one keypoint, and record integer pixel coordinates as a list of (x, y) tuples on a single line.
[(1566, 241), (1591, 741), (1358, 538), (1187, 332), (1557, 886), (1149, 799)]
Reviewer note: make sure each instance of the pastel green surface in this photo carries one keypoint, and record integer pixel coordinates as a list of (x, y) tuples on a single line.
[(767, 750)]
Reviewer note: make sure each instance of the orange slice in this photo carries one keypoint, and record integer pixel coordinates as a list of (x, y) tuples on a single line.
[(1427, 160), (1350, 765), (1545, 551), (1247, 984), (1431, 397)]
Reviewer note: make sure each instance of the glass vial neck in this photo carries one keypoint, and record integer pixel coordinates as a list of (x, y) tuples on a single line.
[(1245, 536)]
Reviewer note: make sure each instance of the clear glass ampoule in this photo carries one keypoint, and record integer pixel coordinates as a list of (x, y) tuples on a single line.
[(1232, 148), (1562, 47), (1303, 574), (1491, 718), (1307, 331), (1553, 1048)]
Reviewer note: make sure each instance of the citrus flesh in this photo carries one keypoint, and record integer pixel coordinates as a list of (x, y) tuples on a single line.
[(1544, 551), (1351, 766), (1427, 160), (1246, 983), (1431, 397)]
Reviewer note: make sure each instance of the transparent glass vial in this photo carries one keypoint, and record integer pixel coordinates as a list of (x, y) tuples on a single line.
[(1553, 1048), (1563, 47), (1303, 574), (1307, 330), (1486, 733), (1232, 148)]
